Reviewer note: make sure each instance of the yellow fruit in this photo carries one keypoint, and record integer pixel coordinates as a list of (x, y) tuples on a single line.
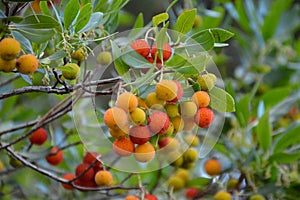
[(169, 131), (222, 195), (72, 71), (176, 183), (166, 90), (119, 132), (27, 64), (14, 162), (232, 184), (10, 48), (144, 152), (142, 103), (7, 65), (103, 178), (201, 98), (172, 145), (190, 155), (175, 159), (187, 109), (127, 101), (207, 81), (183, 174), (257, 197), (115, 118), (178, 124), (138, 116), (78, 55), (1, 166), (192, 140), (188, 165), (212, 167), (172, 110), (104, 58), (152, 100)]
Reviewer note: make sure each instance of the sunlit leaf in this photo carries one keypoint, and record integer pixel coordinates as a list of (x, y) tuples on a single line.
[(221, 101)]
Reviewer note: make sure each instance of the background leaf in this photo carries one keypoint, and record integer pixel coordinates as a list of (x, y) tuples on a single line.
[(120, 66), (288, 138), (264, 132), (221, 35), (83, 17), (242, 110), (38, 22), (221, 101), (185, 21), (71, 12), (203, 38), (94, 21)]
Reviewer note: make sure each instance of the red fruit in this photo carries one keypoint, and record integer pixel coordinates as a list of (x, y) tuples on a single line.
[(179, 92), (204, 117), (88, 184), (97, 168), (68, 177), (150, 59), (39, 136), (150, 197), (139, 134), (167, 52), (163, 142), (141, 47), (88, 175), (158, 122), (55, 156), (123, 147), (191, 192), (91, 157)]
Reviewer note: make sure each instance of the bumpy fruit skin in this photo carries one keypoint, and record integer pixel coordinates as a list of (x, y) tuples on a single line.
[(115, 118), (204, 117), (176, 182), (119, 132), (172, 110), (141, 47), (7, 65), (90, 157), (232, 184), (222, 195), (152, 100), (10, 48), (257, 197), (88, 175), (144, 152), (150, 197), (179, 92), (68, 177), (158, 122), (55, 156), (187, 109), (27, 64), (190, 155), (207, 81), (201, 98), (39, 136), (127, 101), (78, 55), (123, 147), (167, 52), (138, 116), (212, 167), (166, 90), (103, 178), (139, 134), (104, 58), (73, 73), (131, 197), (191, 192)]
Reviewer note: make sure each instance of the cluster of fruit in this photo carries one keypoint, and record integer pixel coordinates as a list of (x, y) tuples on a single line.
[(146, 197), (89, 173), (179, 179), (10, 49)]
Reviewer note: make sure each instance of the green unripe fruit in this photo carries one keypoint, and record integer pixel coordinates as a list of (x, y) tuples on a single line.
[(232, 184), (257, 197), (104, 58), (172, 110), (138, 116), (175, 159), (183, 174), (207, 81), (176, 183), (14, 162), (190, 155), (71, 71), (78, 55), (188, 109)]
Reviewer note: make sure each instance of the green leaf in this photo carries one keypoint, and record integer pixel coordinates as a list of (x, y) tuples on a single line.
[(274, 14), (135, 60), (243, 110), (221, 101), (56, 56), (120, 66), (37, 35), (221, 35), (274, 96), (15, 19), (161, 38), (199, 183), (160, 18), (44, 8), (38, 22), (24, 41), (83, 17), (213, 18), (176, 61), (289, 137), (94, 21), (285, 158), (70, 13), (185, 21), (264, 131), (67, 68), (139, 22), (203, 38)]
